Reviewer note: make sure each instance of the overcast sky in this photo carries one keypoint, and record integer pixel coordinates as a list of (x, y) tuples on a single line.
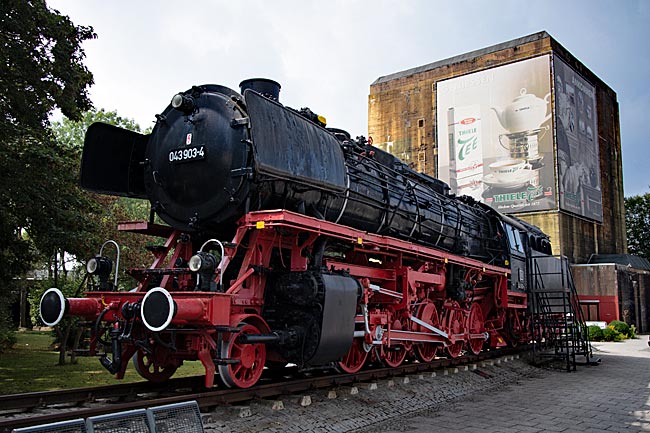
[(326, 54)]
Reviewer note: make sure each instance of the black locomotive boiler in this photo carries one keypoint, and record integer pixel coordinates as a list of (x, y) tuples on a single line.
[(288, 242)]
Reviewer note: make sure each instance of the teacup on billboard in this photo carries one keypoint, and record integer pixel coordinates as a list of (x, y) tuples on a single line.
[(510, 170)]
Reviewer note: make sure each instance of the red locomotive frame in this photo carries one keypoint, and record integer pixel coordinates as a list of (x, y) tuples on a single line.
[(404, 310)]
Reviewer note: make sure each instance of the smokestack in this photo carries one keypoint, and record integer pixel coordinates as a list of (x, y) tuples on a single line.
[(264, 86)]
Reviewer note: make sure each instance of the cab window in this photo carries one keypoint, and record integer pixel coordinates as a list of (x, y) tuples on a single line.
[(514, 239)]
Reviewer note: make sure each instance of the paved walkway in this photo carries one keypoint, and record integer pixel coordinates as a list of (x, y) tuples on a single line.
[(611, 397), (505, 397)]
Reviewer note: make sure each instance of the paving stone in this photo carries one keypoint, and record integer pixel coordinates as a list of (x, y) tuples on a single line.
[(239, 411), (516, 397)]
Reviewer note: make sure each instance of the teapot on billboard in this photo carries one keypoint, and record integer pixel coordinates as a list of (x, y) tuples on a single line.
[(523, 121), (527, 112)]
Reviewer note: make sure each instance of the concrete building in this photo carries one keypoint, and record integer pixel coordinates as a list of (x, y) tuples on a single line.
[(527, 128), (543, 131)]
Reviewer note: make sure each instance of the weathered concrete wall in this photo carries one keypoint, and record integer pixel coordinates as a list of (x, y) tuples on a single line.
[(402, 120)]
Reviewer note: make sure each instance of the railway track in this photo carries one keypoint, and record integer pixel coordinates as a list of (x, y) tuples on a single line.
[(22, 410)]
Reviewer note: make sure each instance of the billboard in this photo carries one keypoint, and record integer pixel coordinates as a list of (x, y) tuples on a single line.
[(577, 143), (495, 136)]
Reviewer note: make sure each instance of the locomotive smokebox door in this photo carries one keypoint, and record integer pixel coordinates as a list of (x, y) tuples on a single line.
[(339, 310), (197, 160)]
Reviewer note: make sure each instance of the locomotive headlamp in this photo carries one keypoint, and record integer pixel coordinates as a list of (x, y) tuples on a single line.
[(99, 266), (183, 103), (195, 263), (205, 264), (102, 267), (202, 262)]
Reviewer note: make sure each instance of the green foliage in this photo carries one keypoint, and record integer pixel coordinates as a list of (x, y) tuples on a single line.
[(42, 66), (41, 69), (109, 210), (615, 331), (620, 327), (31, 365), (7, 338), (610, 334), (71, 132), (595, 333), (637, 221), (7, 335)]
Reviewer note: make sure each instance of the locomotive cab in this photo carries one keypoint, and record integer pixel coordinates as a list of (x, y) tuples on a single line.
[(516, 248), (525, 241)]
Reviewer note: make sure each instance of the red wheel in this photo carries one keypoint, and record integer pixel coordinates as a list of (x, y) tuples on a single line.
[(355, 358), (426, 352), (476, 326), (154, 367), (455, 327), (395, 354), (251, 357), (514, 330)]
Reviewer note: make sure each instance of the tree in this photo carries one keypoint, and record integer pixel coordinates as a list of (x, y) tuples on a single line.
[(637, 220), (109, 209), (41, 69), (94, 220), (41, 66)]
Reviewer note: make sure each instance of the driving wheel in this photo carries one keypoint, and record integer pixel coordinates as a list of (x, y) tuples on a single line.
[(245, 361)]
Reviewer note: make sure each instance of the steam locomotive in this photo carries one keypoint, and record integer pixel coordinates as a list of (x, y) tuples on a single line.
[(289, 242)]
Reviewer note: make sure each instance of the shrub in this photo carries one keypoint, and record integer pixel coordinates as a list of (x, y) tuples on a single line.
[(620, 327), (7, 329), (595, 333), (632, 333), (7, 339), (611, 334)]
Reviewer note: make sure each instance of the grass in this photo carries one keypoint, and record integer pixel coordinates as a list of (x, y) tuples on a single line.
[(32, 366)]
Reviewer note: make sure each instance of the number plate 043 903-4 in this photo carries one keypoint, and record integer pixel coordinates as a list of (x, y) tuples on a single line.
[(187, 154)]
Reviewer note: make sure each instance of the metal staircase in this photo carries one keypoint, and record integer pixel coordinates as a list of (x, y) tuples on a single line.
[(558, 325)]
